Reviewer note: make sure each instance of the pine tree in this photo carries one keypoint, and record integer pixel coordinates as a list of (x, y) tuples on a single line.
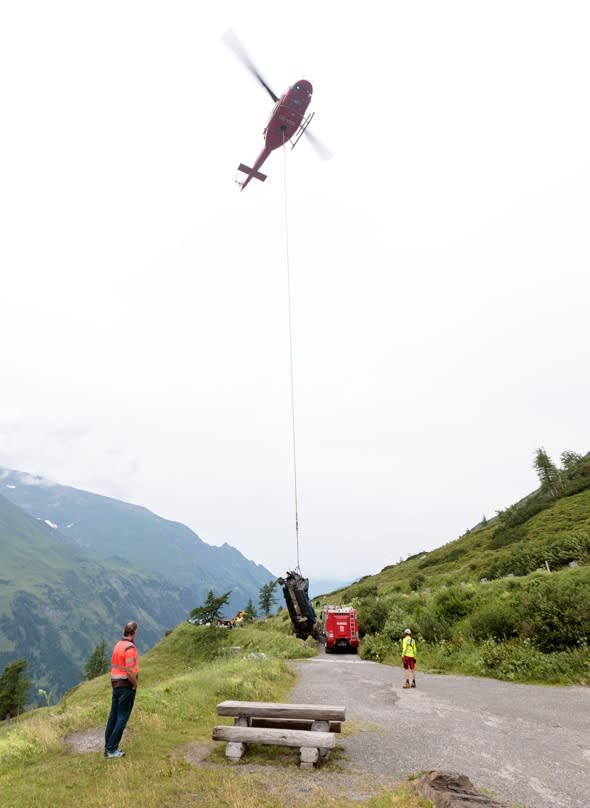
[(547, 472), (250, 610), (14, 686), (97, 662), (266, 597), (570, 460), (209, 613)]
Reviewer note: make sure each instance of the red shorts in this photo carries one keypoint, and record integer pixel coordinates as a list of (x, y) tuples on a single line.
[(409, 662)]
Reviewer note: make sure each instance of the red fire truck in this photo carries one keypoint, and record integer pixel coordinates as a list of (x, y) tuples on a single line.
[(340, 628)]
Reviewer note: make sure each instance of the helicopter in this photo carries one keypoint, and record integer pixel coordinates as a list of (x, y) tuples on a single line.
[(289, 118)]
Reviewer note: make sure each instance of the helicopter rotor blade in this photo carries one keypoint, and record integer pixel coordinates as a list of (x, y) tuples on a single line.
[(233, 43), (321, 150)]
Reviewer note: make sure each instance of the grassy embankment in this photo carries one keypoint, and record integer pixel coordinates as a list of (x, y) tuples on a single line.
[(171, 760), (509, 599)]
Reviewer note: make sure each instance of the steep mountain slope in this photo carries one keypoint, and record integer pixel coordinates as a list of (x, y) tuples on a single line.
[(110, 529), (75, 566), (56, 602)]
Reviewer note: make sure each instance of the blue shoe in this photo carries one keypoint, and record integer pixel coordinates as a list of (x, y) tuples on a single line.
[(116, 754)]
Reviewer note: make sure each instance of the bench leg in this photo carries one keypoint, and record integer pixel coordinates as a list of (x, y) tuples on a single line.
[(309, 756), (235, 750), (321, 726)]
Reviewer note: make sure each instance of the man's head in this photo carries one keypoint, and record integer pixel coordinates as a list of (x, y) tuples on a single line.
[(407, 632), (130, 629)]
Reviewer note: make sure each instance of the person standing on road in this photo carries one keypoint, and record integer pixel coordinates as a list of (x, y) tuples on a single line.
[(124, 675), (409, 658)]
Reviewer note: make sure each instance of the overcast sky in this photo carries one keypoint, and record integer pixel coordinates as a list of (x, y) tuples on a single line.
[(439, 265)]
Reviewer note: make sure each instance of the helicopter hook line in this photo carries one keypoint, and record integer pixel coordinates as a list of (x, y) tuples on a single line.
[(292, 375)]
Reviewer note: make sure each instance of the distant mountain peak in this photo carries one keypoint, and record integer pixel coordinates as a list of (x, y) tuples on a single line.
[(24, 478)]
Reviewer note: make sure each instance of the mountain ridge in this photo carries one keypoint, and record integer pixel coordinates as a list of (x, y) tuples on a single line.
[(78, 564)]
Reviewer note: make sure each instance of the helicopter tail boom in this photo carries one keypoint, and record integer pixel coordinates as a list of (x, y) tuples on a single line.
[(252, 172)]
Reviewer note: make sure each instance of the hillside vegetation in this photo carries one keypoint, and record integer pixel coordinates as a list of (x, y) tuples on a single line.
[(510, 598), (170, 757)]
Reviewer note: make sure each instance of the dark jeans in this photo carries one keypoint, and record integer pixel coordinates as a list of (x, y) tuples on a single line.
[(121, 706)]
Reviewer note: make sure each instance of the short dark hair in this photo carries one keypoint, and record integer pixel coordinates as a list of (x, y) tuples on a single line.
[(130, 628)]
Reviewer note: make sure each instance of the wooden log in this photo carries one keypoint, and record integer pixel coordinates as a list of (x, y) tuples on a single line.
[(265, 709), (278, 737), (291, 723)]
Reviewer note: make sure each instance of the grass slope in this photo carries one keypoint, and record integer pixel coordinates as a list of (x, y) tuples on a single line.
[(510, 598), (182, 680)]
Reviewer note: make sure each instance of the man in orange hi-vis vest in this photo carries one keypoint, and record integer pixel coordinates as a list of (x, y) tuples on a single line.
[(124, 675)]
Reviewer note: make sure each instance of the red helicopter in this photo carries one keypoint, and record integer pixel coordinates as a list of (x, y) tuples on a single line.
[(288, 118)]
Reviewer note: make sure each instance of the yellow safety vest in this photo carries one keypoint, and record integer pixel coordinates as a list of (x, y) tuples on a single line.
[(409, 647)]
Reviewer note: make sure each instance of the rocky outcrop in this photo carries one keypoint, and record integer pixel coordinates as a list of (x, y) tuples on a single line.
[(452, 790)]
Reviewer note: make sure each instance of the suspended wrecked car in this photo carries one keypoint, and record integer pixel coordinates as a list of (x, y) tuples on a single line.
[(302, 614)]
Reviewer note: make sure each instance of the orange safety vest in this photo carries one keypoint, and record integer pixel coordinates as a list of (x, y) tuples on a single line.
[(124, 658)]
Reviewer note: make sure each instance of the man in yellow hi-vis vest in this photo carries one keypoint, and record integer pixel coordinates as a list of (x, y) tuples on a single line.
[(409, 658)]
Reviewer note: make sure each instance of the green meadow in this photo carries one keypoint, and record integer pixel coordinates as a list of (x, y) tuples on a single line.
[(171, 760)]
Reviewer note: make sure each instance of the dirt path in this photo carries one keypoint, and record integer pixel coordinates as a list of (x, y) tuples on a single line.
[(528, 744)]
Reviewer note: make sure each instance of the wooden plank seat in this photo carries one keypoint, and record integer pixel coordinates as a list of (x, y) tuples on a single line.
[(269, 709), (310, 727), (292, 723)]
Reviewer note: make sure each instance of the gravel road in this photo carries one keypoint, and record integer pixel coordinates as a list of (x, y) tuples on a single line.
[(528, 744)]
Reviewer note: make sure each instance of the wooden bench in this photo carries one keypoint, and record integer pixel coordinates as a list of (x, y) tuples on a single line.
[(310, 727)]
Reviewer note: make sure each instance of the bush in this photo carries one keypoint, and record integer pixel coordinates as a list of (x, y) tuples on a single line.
[(508, 660), (431, 626), (496, 619), (559, 551), (519, 660), (376, 647), (372, 615), (454, 603), (397, 621), (417, 581), (556, 612)]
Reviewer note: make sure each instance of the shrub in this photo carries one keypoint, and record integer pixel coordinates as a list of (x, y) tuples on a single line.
[(454, 603), (495, 619), (376, 647), (556, 610), (395, 624), (431, 626), (362, 590), (372, 615), (558, 551), (509, 660), (416, 581)]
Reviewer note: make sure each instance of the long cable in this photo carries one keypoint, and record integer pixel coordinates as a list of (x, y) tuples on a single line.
[(292, 375)]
